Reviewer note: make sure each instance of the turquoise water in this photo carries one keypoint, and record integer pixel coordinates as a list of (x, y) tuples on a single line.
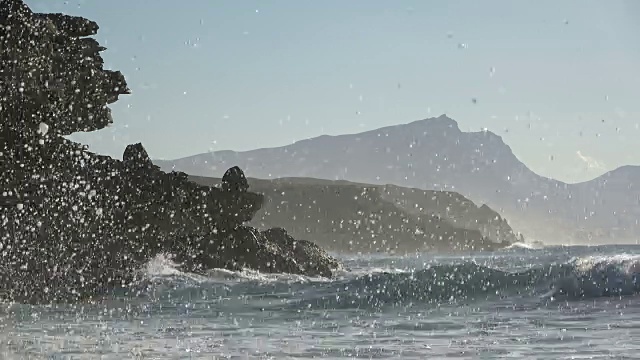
[(552, 303)]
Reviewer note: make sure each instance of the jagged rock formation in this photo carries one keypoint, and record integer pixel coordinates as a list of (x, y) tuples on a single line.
[(77, 225)]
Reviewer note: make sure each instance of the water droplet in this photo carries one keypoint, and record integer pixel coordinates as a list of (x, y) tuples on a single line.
[(43, 129)]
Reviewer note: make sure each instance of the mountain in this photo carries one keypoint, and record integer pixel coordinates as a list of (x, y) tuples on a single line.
[(351, 217), (434, 154), (612, 203)]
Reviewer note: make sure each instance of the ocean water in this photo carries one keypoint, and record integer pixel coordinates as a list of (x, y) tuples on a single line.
[(550, 303)]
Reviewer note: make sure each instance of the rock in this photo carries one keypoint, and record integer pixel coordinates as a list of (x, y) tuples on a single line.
[(50, 72), (79, 226), (135, 156), (280, 237), (311, 259), (71, 25), (234, 180), (272, 250)]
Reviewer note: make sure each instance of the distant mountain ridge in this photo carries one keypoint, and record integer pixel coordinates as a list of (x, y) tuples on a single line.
[(434, 154)]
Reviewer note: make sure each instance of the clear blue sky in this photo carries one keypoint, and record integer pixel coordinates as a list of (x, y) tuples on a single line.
[(215, 75)]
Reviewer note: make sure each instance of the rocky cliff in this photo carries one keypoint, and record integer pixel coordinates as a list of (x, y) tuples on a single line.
[(77, 225), (352, 217)]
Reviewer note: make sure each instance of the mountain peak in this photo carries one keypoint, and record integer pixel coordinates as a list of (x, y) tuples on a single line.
[(435, 124), (440, 121)]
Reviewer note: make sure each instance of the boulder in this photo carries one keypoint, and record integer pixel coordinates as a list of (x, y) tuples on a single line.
[(310, 258), (135, 156), (234, 180)]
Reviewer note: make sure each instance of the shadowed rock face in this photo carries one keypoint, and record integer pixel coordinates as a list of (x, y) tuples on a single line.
[(50, 72), (234, 180), (135, 156), (76, 225)]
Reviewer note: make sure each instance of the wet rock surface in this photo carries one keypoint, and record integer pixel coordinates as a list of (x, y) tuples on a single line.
[(77, 225)]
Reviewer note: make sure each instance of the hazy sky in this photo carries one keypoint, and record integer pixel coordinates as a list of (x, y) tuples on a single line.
[(559, 81)]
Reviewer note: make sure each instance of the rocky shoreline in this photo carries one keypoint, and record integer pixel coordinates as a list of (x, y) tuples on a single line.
[(78, 225)]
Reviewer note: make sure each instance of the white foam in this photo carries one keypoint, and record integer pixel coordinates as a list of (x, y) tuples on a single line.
[(524, 245), (256, 276), (627, 262), (371, 271), (161, 267)]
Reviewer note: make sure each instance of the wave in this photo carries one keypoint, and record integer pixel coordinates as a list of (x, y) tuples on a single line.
[(579, 278), (527, 246), (600, 276), (438, 284)]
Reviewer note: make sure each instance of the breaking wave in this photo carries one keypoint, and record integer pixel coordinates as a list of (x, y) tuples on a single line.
[(522, 245), (579, 278)]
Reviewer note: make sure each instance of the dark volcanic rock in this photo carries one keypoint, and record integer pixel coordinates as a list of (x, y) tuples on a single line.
[(71, 25), (234, 180), (311, 258), (49, 73), (135, 156), (267, 251), (76, 225)]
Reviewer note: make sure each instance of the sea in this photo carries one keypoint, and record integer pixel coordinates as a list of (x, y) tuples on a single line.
[(562, 302)]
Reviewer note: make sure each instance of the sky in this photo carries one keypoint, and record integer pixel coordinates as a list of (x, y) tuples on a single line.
[(559, 81)]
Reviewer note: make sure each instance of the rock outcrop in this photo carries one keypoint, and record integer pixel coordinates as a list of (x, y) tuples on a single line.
[(77, 225), (350, 217), (135, 157)]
